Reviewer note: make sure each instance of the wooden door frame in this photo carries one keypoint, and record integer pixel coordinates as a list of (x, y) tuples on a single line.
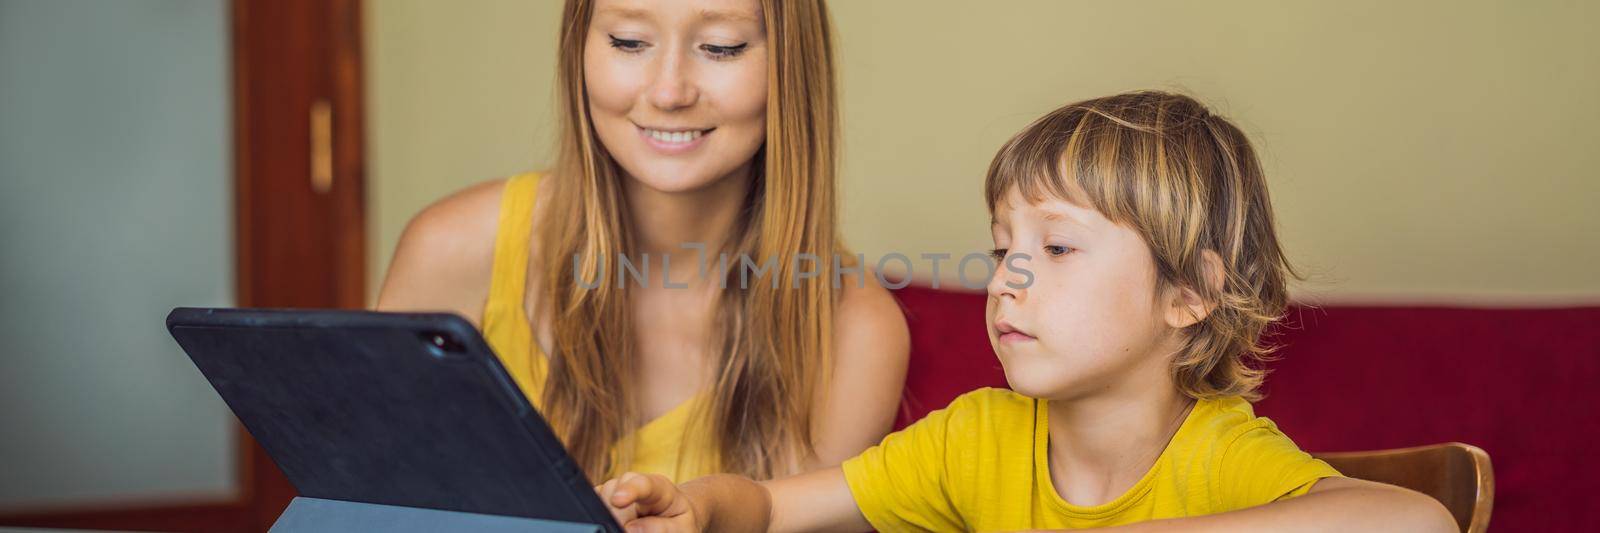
[(294, 246), (298, 247)]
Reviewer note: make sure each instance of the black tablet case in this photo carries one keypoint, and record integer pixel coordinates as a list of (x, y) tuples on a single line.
[(396, 409)]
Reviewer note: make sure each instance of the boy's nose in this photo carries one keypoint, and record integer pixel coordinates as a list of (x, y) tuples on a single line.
[(1011, 277)]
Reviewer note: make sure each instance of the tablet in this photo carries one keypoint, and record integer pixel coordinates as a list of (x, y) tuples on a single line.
[(407, 409)]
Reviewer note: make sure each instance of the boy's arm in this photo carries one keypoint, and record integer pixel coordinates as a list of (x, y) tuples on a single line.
[(1332, 504), (815, 501)]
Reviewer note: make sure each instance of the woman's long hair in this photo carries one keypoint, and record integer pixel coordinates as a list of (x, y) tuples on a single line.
[(772, 346)]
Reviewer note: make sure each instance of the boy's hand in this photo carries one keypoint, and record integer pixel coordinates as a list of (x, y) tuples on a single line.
[(649, 503)]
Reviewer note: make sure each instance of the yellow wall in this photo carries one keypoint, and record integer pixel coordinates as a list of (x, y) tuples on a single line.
[(457, 92), (1424, 151)]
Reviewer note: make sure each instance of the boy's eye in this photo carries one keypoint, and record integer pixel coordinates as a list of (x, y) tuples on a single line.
[(626, 45), (999, 254), (724, 52), (1056, 251)]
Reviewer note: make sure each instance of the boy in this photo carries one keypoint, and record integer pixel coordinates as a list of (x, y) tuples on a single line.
[(1149, 269)]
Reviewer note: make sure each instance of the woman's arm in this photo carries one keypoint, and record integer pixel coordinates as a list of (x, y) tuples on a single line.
[(871, 347), (1333, 504), (815, 501), (446, 255)]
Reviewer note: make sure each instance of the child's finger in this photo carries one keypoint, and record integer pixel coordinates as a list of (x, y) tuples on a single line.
[(627, 489), (605, 490), (653, 494), (622, 513)]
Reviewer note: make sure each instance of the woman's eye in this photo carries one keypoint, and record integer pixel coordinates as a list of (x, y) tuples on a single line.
[(1056, 251), (724, 52), (999, 254), (626, 45)]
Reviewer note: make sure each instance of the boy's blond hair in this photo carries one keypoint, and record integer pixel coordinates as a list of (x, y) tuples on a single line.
[(1188, 182)]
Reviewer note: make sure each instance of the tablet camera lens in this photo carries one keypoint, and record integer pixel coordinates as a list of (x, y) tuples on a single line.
[(440, 344)]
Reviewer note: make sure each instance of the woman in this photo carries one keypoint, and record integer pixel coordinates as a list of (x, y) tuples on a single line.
[(686, 123)]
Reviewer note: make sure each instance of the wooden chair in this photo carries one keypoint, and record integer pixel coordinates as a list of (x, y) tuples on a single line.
[(1456, 474)]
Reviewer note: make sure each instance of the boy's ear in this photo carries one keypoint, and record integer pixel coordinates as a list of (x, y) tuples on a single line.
[(1187, 307)]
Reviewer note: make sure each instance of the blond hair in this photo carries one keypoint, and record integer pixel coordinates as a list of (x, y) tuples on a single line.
[(1188, 182), (773, 346)]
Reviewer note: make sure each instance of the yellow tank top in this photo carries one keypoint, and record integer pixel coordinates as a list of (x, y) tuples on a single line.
[(668, 445)]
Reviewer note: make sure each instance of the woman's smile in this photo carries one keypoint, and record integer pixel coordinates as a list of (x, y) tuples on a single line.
[(673, 141)]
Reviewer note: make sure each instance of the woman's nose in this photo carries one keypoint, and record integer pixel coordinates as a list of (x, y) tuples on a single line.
[(674, 86)]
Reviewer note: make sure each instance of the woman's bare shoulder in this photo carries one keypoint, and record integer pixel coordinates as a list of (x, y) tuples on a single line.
[(446, 255), (872, 350), (869, 319)]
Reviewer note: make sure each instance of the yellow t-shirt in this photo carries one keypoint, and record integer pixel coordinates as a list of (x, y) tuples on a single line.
[(982, 464), (670, 445)]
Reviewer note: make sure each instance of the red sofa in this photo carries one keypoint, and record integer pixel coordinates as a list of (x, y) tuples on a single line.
[(1519, 383)]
